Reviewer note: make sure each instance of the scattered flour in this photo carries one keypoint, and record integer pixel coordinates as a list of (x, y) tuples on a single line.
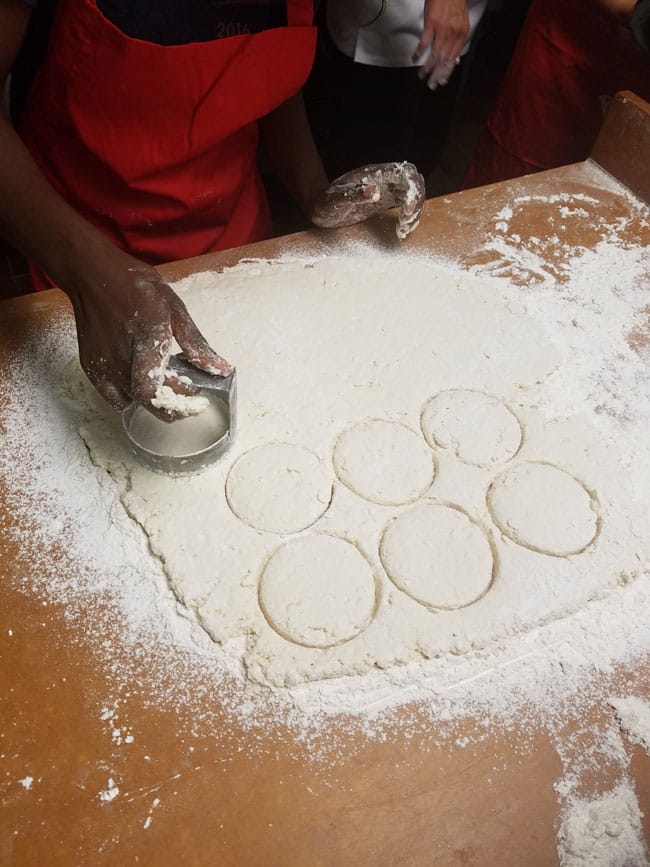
[(588, 387), (110, 792), (147, 822), (603, 832), (633, 714), (26, 783), (600, 819)]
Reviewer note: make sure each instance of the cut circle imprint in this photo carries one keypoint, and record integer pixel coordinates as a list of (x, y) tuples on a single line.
[(476, 428), (279, 488), (384, 462), (541, 507), (439, 556), (318, 591)]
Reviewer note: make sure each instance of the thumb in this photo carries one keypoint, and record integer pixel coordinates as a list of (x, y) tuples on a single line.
[(196, 348)]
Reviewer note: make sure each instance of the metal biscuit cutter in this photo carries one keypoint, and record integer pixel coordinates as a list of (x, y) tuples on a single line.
[(219, 390)]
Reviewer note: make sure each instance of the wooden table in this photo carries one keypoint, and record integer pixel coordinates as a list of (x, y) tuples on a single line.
[(189, 795)]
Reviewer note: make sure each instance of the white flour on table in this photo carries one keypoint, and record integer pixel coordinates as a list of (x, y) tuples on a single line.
[(633, 715), (556, 357), (559, 524), (604, 831)]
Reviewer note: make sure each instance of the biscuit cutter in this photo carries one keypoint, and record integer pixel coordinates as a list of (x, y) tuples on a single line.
[(219, 388)]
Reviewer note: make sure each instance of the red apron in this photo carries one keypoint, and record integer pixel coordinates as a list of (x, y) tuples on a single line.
[(569, 57), (156, 145)]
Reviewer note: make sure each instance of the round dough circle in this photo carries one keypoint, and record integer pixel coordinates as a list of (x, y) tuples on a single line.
[(477, 428), (438, 556), (541, 507), (384, 462), (318, 591), (279, 488)]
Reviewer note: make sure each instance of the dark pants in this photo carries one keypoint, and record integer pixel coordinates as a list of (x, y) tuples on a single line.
[(371, 114)]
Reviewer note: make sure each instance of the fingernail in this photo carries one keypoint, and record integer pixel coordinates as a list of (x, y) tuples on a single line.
[(432, 85)]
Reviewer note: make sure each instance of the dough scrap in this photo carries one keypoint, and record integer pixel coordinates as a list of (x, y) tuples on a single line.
[(438, 556), (279, 488), (384, 462), (318, 591), (543, 508), (476, 428)]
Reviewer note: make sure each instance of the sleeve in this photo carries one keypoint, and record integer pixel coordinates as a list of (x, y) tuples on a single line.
[(640, 24)]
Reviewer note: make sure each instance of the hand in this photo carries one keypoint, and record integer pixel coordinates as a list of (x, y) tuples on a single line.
[(127, 317), (367, 191), (446, 27)]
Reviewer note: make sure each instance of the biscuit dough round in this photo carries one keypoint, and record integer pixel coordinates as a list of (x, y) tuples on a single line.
[(279, 488), (474, 427), (318, 591), (438, 556), (384, 462), (543, 508)]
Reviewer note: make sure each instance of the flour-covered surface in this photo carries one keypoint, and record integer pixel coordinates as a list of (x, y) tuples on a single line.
[(600, 820), (633, 715), (559, 360), (160, 580), (563, 521), (605, 830)]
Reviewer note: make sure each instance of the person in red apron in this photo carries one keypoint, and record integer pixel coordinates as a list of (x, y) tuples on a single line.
[(571, 57), (137, 145)]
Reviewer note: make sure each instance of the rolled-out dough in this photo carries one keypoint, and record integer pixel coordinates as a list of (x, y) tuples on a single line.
[(386, 354), (543, 508), (383, 462), (279, 488), (318, 591), (476, 428), (437, 556)]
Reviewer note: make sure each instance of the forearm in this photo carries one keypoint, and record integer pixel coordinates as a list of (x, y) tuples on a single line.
[(621, 9), (289, 146), (36, 220)]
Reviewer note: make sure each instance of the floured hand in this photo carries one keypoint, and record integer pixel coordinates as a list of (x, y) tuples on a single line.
[(446, 28), (369, 190), (127, 318)]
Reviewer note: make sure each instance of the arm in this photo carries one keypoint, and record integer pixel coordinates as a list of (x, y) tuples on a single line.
[(358, 195), (621, 9), (289, 146), (126, 315)]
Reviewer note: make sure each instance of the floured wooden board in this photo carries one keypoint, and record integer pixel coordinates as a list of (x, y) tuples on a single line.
[(217, 702), (426, 464)]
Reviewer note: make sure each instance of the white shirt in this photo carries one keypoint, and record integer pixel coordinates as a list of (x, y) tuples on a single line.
[(385, 32)]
